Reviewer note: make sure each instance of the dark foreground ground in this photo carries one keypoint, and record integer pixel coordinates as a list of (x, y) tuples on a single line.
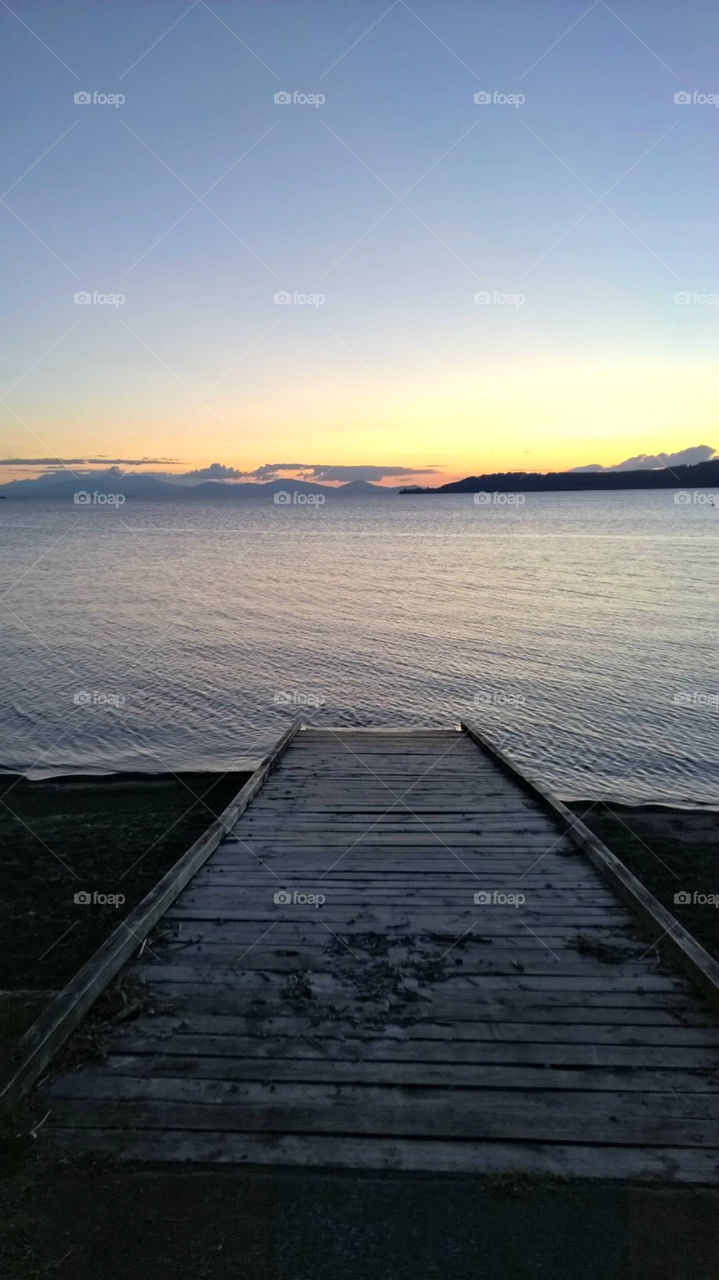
[(67, 837), (76, 1220), (200, 1224), (673, 852)]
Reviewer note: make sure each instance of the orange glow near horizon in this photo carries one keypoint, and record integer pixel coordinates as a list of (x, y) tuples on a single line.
[(537, 417)]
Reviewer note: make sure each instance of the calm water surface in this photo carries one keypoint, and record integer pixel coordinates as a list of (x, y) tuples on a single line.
[(580, 630)]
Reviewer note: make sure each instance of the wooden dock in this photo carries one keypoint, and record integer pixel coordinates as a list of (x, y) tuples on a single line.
[(398, 953)]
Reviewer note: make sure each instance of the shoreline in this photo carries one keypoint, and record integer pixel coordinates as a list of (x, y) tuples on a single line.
[(116, 779)]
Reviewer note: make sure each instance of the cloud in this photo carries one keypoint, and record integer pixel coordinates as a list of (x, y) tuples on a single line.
[(84, 462), (333, 472), (649, 461), (215, 471), (313, 471), (684, 457)]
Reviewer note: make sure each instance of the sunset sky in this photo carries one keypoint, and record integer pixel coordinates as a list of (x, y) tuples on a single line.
[(382, 212)]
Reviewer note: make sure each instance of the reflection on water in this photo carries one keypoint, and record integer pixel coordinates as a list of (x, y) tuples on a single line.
[(183, 635)]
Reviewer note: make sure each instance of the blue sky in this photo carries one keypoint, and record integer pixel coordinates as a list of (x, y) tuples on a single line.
[(397, 364)]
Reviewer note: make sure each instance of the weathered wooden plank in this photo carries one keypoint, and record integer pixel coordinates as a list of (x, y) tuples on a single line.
[(456, 1075), (673, 1164), (315, 959), (162, 973), (248, 926), (309, 734), (376, 766), (238, 931), (448, 905), (485, 1123), (271, 991), (451, 900), (498, 1029), (431, 876), (527, 824), (130, 1040), (359, 806), (98, 1086), (491, 789), (421, 833)]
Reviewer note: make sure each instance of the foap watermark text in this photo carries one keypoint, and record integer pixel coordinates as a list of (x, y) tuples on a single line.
[(296, 898), (497, 98), (85, 298), (95, 98), (498, 898), (82, 498), (693, 898), (96, 698), (696, 298), (695, 498), (285, 98), (497, 698), (296, 498), (487, 499), (296, 299), (498, 298), (86, 899), (695, 698), (696, 98), (284, 699)]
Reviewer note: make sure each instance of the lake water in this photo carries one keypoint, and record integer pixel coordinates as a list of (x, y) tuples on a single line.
[(578, 629)]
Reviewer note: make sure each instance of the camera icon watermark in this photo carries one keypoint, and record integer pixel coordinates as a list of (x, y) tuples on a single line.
[(83, 98), (296, 898), (483, 98), (283, 98)]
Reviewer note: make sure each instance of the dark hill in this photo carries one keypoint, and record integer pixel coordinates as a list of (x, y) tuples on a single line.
[(701, 475)]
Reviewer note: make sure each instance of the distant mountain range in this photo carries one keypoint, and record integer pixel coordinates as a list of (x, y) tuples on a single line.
[(699, 476), (63, 484)]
